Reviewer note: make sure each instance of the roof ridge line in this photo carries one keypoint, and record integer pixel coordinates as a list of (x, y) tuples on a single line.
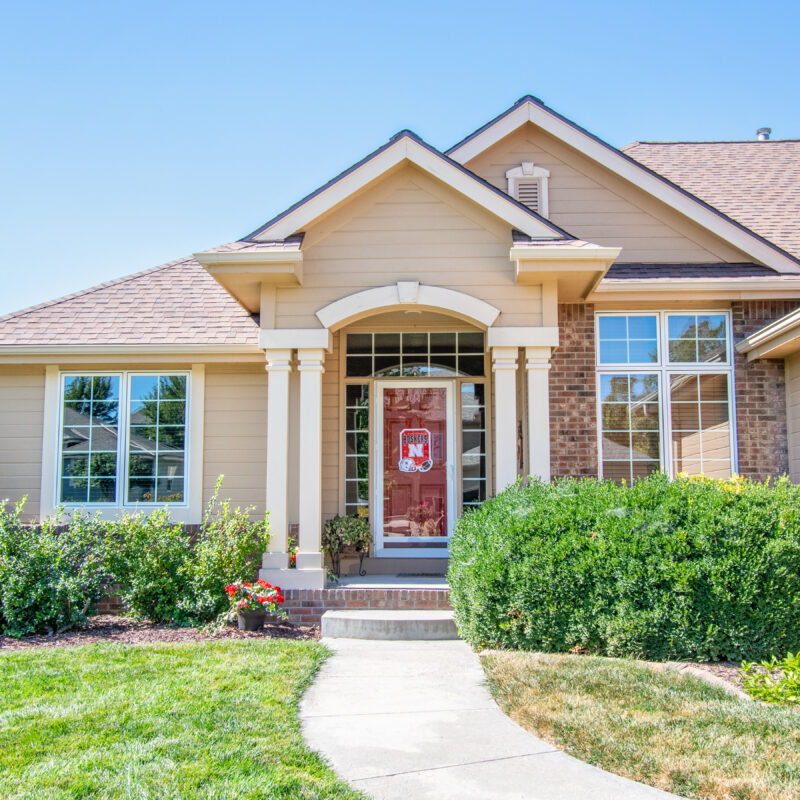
[(710, 141), (97, 287)]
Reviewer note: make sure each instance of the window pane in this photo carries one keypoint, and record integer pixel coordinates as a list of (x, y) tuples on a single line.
[(157, 461), (89, 439), (359, 366), (630, 425), (357, 394), (415, 343), (473, 444), (443, 343), (628, 340), (697, 337), (470, 343), (169, 490), (359, 343), (700, 421), (387, 343), (471, 365)]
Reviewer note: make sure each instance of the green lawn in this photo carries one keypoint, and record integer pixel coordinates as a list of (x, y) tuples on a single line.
[(201, 720), (671, 731)]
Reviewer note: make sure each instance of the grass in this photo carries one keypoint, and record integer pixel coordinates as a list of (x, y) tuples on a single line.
[(670, 731), (200, 720)]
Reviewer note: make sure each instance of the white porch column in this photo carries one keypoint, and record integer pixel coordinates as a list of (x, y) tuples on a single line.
[(504, 367), (279, 365), (537, 365), (309, 556)]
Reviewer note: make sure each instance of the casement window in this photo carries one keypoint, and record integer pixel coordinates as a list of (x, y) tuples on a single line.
[(665, 394), (123, 439), (527, 183)]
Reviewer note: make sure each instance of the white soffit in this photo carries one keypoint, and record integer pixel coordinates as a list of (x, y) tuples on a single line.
[(406, 148), (630, 170)]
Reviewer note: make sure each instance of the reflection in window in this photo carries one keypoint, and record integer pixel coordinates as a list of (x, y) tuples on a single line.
[(629, 410), (628, 340), (473, 444), (700, 423), (415, 354), (89, 426), (156, 439), (697, 337), (356, 414)]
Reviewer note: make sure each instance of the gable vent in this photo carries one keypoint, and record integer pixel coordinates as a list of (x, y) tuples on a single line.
[(528, 194)]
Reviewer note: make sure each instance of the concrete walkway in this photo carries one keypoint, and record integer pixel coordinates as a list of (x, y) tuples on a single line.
[(414, 720)]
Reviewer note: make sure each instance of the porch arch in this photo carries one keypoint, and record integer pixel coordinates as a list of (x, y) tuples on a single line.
[(362, 304)]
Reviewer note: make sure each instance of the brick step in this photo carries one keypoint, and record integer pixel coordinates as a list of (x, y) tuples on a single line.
[(389, 624), (306, 606)]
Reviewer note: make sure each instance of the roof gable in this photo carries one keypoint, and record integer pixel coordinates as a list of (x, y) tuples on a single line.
[(531, 109), (405, 147)]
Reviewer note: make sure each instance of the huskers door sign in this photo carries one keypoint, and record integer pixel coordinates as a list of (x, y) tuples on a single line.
[(415, 450)]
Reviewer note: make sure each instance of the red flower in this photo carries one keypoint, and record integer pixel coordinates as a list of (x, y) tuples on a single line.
[(277, 589), (278, 599), (248, 585)]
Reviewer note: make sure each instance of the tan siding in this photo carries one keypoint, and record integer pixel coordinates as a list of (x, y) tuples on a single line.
[(408, 227), (21, 416), (594, 204), (793, 414), (235, 436)]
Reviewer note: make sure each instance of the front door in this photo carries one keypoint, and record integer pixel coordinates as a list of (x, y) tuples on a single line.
[(415, 458)]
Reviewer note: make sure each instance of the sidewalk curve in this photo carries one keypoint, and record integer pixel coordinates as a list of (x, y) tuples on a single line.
[(414, 720)]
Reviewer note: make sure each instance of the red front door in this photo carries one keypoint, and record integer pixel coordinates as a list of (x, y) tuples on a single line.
[(416, 448)]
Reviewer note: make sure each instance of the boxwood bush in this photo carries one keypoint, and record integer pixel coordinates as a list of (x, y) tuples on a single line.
[(687, 569), (51, 576)]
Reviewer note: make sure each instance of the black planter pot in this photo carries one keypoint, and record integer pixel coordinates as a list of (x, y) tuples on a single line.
[(251, 620)]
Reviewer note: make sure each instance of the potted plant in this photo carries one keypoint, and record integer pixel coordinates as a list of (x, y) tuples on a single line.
[(343, 532), (253, 601)]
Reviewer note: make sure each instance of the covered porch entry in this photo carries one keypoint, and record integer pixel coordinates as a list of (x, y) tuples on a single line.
[(408, 406)]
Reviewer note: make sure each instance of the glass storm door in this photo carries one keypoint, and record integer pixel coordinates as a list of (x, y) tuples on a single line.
[(414, 468)]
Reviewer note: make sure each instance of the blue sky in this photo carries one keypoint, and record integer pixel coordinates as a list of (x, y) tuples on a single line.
[(134, 133)]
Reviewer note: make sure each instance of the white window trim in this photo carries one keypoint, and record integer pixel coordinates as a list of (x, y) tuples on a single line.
[(664, 368), (188, 512), (528, 171)]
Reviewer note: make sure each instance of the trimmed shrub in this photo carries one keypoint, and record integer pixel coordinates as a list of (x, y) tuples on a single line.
[(51, 576), (166, 574), (687, 569)]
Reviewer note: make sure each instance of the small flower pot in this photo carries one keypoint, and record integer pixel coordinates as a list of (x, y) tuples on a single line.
[(251, 620)]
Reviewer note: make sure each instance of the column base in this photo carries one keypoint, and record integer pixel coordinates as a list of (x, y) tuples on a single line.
[(294, 578), (309, 561), (275, 561)]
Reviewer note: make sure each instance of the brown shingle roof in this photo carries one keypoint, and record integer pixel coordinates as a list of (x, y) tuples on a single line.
[(176, 303), (756, 183)]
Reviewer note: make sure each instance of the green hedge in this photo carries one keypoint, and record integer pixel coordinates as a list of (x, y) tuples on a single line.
[(688, 569)]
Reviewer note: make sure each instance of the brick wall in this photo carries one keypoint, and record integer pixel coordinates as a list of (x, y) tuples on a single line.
[(760, 394), (573, 410)]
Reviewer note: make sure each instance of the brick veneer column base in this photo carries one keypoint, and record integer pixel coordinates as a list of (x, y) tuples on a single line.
[(306, 606)]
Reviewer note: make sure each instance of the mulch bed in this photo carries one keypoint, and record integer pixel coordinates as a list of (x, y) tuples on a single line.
[(109, 629), (727, 670)]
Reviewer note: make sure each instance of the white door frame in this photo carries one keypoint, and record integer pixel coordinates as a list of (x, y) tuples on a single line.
[(450, 494)]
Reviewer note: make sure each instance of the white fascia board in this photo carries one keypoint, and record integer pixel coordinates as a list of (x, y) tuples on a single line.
[(630, 171), (406, 149), (561, 253), (247, 258), (777, 332), (291, 338), (522, 337)]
